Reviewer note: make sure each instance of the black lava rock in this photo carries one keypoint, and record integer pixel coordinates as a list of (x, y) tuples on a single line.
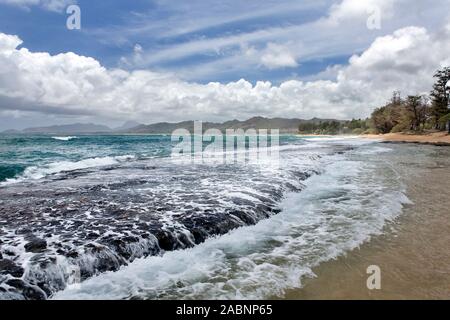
[(72, 254), (36, 245), (28, 291), (23, 231), (166, 240), (9, 267)]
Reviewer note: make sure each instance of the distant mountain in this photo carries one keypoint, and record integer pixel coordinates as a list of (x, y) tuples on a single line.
[(284, 125), (164, 127), (70, 129), (11, 131), (127, 125)]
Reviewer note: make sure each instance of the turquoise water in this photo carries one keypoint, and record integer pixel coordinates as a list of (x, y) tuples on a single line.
[(117, 217), (20, 152)]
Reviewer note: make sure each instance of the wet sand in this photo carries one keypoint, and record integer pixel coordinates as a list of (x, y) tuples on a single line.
[(413, 253)]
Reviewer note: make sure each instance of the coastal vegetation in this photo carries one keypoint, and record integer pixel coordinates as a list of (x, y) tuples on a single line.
[(332, 127), (413, 113)]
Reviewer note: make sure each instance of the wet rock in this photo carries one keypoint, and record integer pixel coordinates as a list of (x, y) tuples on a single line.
[(9, 253), (43, 260), (9, 267), (184, 241), (36, 245), (166, 240), (244, 216), (199, 235), (23, 231), (242, 202), (225, 226), (263, 212), (120, 246), (124, 223), (92, 236), (293, 188), (28, 291), (72, 254), (302, 175), (105, 260)]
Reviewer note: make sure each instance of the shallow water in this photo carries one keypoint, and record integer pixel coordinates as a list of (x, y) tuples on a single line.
[(412, 252), (127, 222)]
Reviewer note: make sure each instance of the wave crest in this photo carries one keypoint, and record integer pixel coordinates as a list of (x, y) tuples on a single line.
[(65, 138)]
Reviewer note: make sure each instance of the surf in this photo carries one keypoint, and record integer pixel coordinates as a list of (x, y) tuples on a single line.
[(65, 138), (264, 260)]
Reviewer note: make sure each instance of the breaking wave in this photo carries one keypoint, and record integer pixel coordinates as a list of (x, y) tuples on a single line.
[(111, 228), (39, 172), (64, 138), (336, 212)]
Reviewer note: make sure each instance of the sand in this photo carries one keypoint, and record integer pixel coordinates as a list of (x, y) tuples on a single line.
[(439, 138), (413, 253)]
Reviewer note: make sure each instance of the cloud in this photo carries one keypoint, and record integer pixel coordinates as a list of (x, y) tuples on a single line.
[(72, 84), (51, 5), (278, 56), (335, 30), (355, 9), (9, 43), (199, 16)]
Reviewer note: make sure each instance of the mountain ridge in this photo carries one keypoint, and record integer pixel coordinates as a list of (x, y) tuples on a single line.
[(285, 125), (69, 129)]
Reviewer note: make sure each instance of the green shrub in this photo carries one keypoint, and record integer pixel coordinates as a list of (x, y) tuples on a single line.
[(401, 127), (371, 131), (358, 131)]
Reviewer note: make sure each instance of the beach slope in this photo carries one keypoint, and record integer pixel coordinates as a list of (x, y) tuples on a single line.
[(437, 138)]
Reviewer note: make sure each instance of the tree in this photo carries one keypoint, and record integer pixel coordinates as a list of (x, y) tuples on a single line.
[(391, 116), (417, 111), (425, 112), (357, 124), (446, 120), (307, 127), (440, 96)]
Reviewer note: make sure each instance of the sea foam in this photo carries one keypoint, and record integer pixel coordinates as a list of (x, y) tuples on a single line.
[(39, 172), (64, 138), (337, 212)]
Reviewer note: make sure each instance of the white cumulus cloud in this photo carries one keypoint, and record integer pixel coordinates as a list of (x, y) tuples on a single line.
[(353, 9), (278, 56), (72, 84)]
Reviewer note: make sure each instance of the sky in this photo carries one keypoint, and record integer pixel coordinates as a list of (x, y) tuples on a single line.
[(171, 60)]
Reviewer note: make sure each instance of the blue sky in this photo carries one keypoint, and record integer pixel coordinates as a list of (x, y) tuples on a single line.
[(112, 29), (193, 43)]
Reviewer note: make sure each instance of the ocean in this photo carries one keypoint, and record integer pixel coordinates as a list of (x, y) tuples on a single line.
[(114, 217)]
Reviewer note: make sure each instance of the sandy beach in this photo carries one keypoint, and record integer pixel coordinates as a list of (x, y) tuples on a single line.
[(412, 252), (438, 138)]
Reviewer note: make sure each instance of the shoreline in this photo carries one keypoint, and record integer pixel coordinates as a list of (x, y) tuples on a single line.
[(412, 251), (437, 139)]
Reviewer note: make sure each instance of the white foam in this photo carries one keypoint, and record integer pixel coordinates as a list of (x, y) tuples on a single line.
[(338, 211), (328, 138), (65, 138), (39, 172)]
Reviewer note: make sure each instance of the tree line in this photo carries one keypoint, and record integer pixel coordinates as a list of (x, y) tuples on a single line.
[(331, 127), (414, 113)]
